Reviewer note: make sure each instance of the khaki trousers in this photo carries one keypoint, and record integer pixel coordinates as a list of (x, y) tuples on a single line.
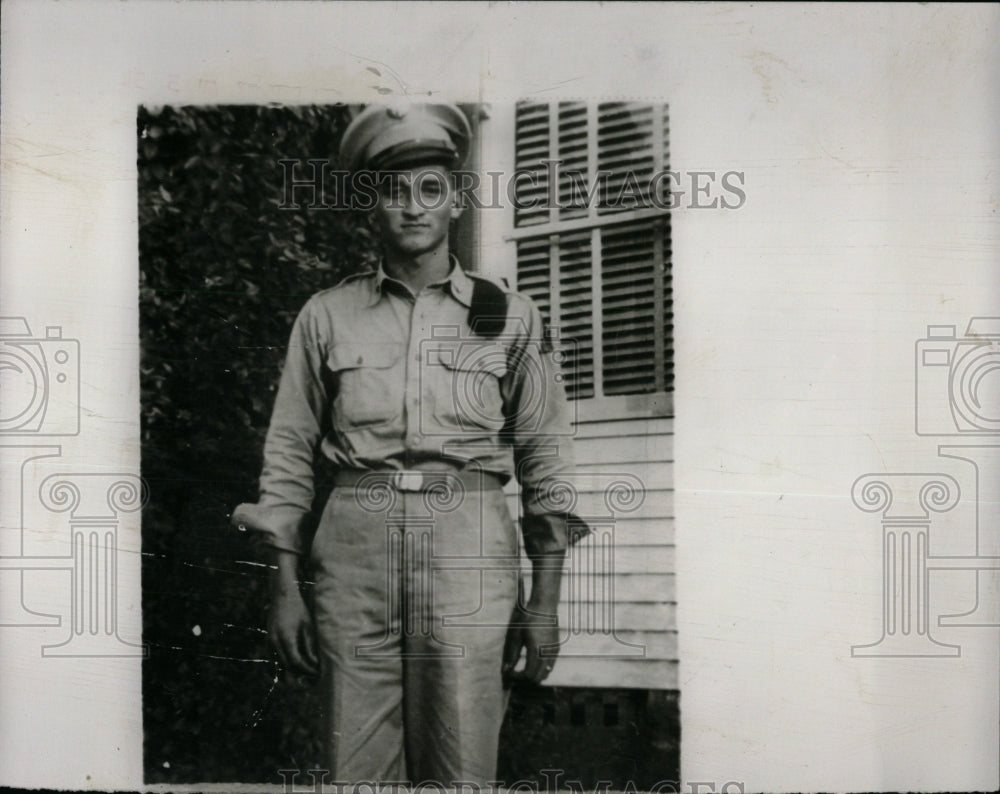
[(414, 592)]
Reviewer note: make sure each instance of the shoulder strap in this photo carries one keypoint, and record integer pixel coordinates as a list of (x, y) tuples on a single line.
[(355, 276), (488, 309)]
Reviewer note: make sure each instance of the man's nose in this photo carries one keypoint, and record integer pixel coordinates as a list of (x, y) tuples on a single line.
[(411, 205)]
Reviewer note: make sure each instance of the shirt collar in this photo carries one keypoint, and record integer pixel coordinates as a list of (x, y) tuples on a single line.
[(458, 281), (460, 284)]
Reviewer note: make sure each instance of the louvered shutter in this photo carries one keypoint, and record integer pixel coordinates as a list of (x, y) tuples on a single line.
[(533, 147), (604, 281), (625, 152), (572, 155), (635, 323), (576, 312)]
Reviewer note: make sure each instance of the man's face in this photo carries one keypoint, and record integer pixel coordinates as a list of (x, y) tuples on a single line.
[(415, 208)]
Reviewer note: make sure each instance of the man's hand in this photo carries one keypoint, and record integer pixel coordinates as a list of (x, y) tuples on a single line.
[(289, 625), (538, 634), (535, 626)]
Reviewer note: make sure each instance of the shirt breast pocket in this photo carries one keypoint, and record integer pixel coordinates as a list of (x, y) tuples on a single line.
[(369, 384), (467, 386)]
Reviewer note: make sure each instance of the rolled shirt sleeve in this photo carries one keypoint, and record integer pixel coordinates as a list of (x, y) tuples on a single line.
[(540, 432), (296, 429)]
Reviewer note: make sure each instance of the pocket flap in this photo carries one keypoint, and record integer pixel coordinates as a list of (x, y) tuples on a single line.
[(474, 358), (352, 355)]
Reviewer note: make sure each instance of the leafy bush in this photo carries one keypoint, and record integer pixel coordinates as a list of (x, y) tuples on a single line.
[(223, 270)]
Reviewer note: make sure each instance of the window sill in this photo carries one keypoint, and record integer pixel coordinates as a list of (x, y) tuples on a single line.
[(625, 406)]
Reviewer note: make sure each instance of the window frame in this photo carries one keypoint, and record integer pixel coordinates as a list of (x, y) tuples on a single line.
[(501, 236)]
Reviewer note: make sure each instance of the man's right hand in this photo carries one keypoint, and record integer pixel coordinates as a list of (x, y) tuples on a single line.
[(290, 627)]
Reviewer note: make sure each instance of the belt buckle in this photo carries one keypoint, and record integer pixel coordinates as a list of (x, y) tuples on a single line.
[(408, 480)]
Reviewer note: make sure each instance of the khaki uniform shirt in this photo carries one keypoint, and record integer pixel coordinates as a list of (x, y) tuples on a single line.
[(383, 379)]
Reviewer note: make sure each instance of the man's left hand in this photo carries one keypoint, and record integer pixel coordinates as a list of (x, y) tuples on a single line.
[(538, 634)]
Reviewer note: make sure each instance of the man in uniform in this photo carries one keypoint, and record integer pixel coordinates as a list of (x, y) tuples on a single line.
[(428, 388)]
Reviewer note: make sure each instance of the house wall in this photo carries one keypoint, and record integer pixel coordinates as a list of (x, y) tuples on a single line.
[(618, 607)]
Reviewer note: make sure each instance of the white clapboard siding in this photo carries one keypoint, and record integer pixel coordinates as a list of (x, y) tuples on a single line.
[(645, 617), (618, 606), (636, 588), (653, 531), (656, 505), (641, 559), (609, 449), (618, 644)]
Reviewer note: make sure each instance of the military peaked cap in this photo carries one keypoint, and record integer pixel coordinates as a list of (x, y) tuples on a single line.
[(406, 134)]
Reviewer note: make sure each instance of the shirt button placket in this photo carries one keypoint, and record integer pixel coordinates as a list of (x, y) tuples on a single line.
[(417, 333)]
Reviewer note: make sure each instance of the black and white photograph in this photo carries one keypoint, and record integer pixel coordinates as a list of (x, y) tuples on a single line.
[(325, 295), (591, 397)]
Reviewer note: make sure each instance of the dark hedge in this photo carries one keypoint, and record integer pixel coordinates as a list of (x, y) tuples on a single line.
[(223, 272)]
